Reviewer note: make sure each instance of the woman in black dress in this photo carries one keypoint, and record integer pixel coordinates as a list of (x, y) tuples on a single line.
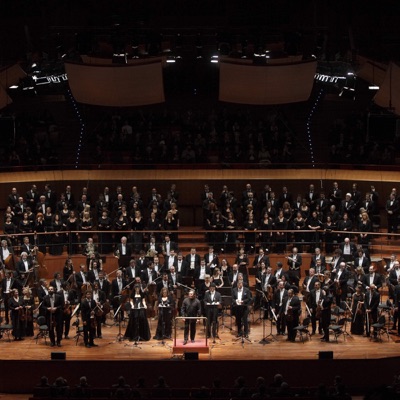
[(231, 237), (40, 228), (357, 309), (73, 225), (280, 225), (138, 224), (138, 325), (329, 236), (85, 226), (299, 223), (104, 224), (265, 225), (57, 237), (250, 226), (166, 305), (16, 305), (28, 303)]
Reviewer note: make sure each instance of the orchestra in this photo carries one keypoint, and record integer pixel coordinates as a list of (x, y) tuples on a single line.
[(167, 284)]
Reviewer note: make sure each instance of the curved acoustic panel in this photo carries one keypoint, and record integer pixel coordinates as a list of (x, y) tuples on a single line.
[(266, 84), (117, 85)]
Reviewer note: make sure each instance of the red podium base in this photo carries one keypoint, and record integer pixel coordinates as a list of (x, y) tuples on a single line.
[(198, 346)]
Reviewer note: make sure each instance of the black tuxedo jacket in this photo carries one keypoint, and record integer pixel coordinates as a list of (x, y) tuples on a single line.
[(377, 281), (207, 298), (246, 296)]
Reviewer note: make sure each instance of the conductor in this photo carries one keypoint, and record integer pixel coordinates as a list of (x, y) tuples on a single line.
[(191, 307)]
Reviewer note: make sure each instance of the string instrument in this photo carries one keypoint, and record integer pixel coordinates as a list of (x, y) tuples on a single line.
[(67, 309), (338, 288), (270, 293), (72, 281), (98, 310), (92, 320), (318, 311)]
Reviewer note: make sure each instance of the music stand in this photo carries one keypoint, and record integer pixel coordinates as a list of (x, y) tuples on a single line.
[(212, 310), (118, 314), (346, 306), (161, 310), (226, 301)]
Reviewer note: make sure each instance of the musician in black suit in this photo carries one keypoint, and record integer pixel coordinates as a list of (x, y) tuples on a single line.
[(200, 272), (309, 283), (69, 298), (291, 309), (261, 257), (167, 245), (212, 300), (193, 260), (372, 278), (277, 304), (241, 300), (123, 252), (141, 261), (24, 267), (81, 279), (104, 284), (8, 284), (362, 261), (88, 318), (32, 197), (294, 261), (349, 250), (371, 304), (169, 261), (148, 274), (181, 265), (132, 271), (211, 258), (53, 304), (326, 314), (317, 295), (164, 282), (27, 247), (279, 272), (318, 256), (392, 211), (175, 278), (340, 277)]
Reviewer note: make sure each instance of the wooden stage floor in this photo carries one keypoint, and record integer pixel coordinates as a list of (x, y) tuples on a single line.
[(228, 348)]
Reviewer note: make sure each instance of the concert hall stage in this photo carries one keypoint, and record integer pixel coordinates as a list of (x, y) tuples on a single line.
[(362, 363)]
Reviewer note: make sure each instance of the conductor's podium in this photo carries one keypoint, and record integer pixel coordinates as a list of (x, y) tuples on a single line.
[(199, 346)]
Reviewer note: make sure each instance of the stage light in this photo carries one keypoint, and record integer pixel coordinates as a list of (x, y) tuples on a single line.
[(373, 87), (14, 87)]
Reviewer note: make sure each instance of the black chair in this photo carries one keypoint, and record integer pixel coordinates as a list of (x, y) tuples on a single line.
[(5, 330), (43, 329), (302, 329), (337, 329), (380, 327)]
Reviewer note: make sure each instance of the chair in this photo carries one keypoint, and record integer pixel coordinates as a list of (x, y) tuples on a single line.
[(302, 329), (5, 330), (43, 329), (380, 327), (337, 329)]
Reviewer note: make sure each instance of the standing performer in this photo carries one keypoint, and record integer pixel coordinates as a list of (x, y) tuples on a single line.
[(316, 298), (241, 299), (191, 307), (28, 302), (291, 307), (294, 262), (53, 304), (277, 303), (371, 303), (212, 300), (7, 285), (88, 318), (166, 305), (69, 299), (16, 306), (326, 313), (357, 309), (138, 326)]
